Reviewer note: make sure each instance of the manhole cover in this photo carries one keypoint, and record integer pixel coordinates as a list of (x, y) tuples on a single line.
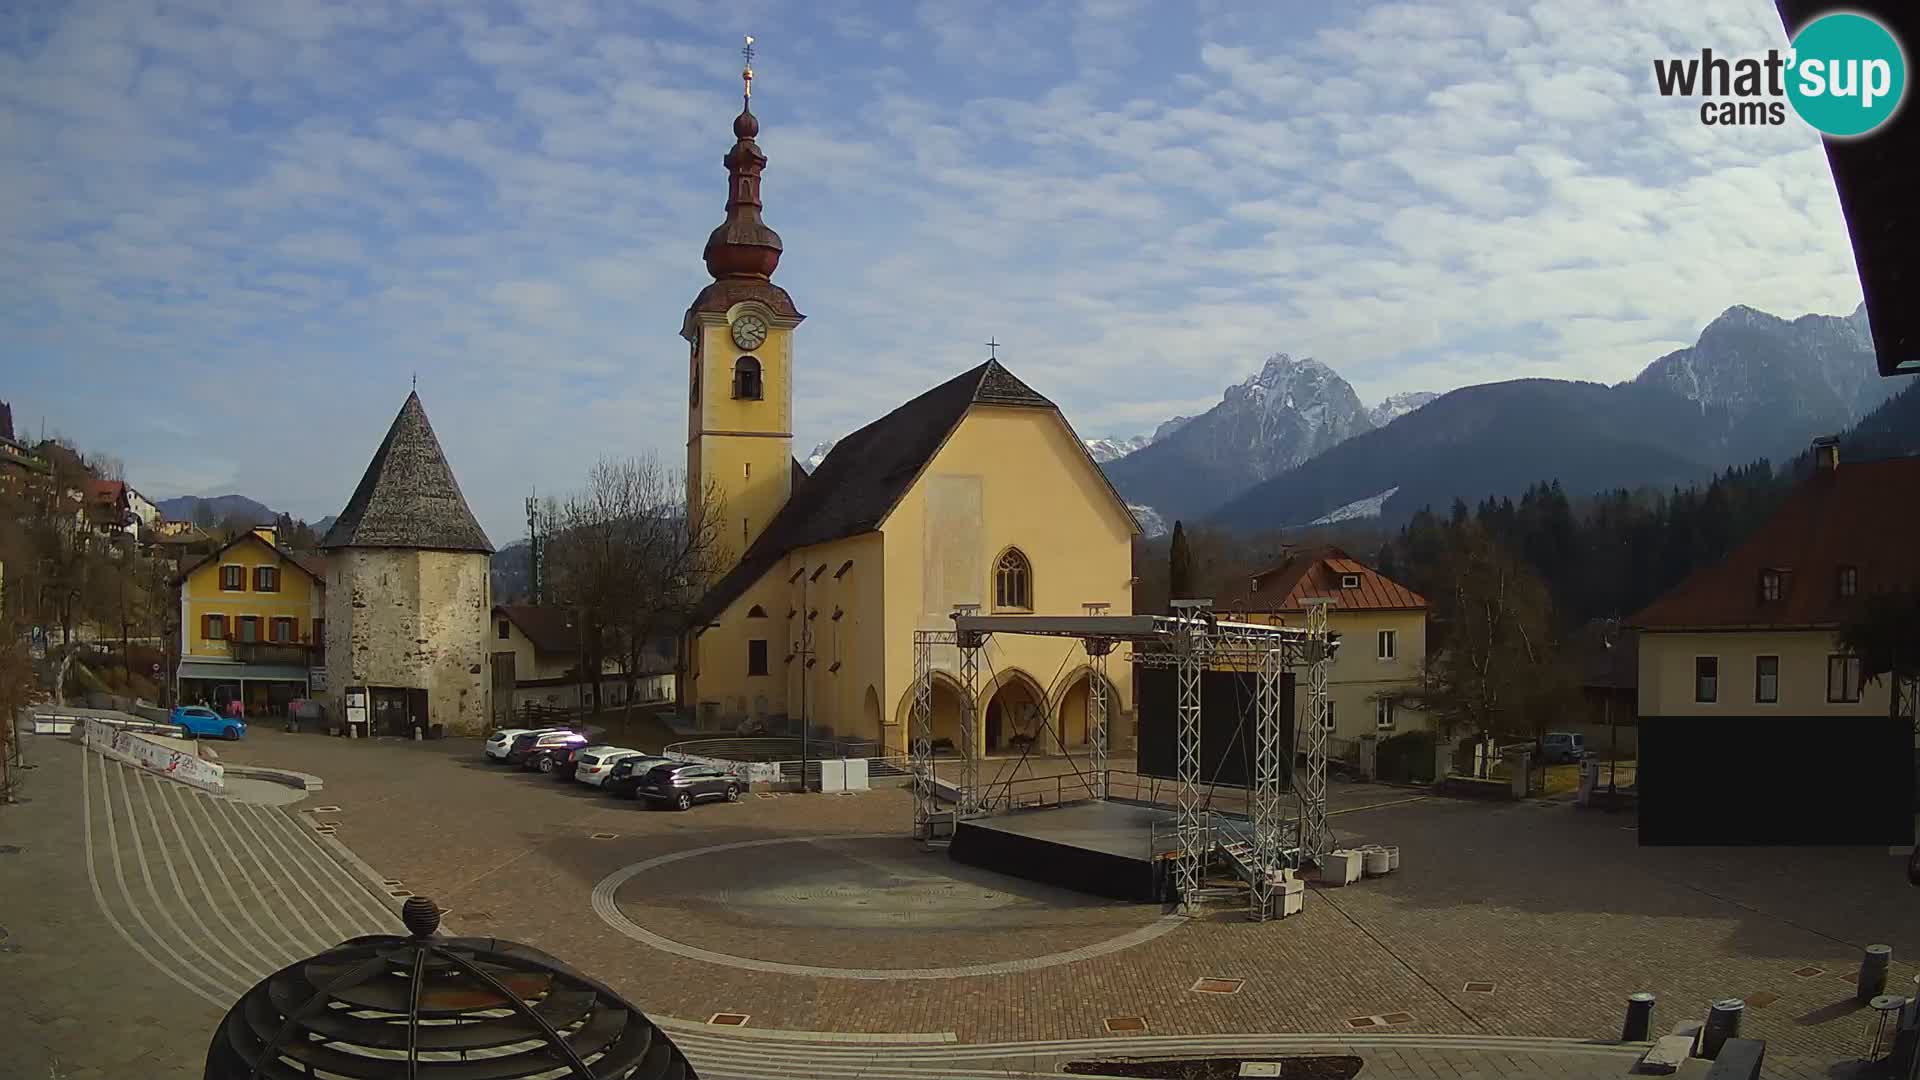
[(1362, 1021), (9, 849), (1809, 972), (1478, 987), (729, 1019), (1762, 999), (1218, 986), (1124, 1024)]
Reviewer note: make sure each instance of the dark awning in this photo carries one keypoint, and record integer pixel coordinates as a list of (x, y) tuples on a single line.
[(1875, 176)]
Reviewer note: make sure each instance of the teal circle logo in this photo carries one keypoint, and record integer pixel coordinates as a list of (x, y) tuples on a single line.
[(1847, 74)]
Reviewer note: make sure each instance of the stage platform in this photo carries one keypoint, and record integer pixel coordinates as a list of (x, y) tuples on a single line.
[(1103, 848)]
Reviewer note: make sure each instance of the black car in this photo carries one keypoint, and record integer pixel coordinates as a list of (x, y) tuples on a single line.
[(525, 745), (683, 784), (553, 759), (628, 772)]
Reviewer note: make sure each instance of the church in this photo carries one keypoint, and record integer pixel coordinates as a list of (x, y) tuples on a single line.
[(975, 493)]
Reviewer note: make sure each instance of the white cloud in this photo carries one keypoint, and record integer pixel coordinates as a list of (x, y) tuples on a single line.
[(512, 203)]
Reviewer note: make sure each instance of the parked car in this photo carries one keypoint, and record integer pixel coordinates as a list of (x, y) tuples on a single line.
[(501, 741), (524, 746), (626, 774), (552, 759), (593, 764), (195, 721), (1563, 746), (682, 784)]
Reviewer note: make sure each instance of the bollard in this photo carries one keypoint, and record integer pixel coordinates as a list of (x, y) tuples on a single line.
[(1873, 973), (1639, 1025), (1723, 1023)]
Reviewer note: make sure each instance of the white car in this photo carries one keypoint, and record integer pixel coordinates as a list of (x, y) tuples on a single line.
[(593, 764), (502, 741)]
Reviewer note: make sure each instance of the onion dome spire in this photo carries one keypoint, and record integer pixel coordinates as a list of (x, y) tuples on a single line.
[(743, 246)]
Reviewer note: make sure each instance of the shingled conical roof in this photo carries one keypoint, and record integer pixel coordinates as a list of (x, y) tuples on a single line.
[(408, 497)]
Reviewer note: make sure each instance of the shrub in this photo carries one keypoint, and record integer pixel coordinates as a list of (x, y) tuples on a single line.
[(1406, 758)]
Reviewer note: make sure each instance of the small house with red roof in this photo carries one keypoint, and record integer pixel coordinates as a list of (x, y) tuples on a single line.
[(1383, 635)]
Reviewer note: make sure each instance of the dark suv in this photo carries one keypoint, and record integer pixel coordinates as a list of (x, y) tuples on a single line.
[(627, 773), (681, 785)]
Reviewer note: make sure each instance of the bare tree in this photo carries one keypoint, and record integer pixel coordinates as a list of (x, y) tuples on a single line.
[(1498, 672), (627, 556)]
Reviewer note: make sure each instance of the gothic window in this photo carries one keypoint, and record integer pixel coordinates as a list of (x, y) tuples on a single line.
[(1013, 582), (746, 378)]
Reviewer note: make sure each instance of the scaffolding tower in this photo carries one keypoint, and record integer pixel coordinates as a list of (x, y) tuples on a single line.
[(1191, 642)]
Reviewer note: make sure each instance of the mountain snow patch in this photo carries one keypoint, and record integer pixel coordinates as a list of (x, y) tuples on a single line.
[(1369, 507)]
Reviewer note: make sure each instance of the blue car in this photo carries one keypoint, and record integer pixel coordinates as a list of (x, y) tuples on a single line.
[(195, 721)]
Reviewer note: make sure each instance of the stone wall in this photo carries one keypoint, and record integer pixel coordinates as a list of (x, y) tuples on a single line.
[(400, 617)]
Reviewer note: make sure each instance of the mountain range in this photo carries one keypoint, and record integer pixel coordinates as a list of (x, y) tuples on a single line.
[(224, 507), (1291, 446)]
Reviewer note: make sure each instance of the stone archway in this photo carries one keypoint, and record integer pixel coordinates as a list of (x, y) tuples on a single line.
[(1015, 713), (1069, 703), (946, 714)]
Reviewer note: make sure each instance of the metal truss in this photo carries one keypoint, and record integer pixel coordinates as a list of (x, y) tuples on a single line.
[(1316, 836), (1268, 815), (1097, 652), (970, 643), (926, 800), (1191, 649)]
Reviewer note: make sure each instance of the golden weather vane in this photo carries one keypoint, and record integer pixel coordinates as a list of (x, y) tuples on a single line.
[(746, 73)]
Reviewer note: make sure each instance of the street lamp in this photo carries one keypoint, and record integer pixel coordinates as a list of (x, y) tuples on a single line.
[(1613, 733)]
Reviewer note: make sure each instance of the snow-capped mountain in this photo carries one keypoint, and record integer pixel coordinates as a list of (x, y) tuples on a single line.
[(1763, 383), (817, 455), (1105, 450), (1288, 411), (1752, 386), (1398, 405), (1151, 523)]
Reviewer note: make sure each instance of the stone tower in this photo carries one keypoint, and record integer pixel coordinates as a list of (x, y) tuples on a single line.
[(408, 593), (739, 333)]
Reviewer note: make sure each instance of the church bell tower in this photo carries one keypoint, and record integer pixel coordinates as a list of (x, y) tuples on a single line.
[(739, 333)]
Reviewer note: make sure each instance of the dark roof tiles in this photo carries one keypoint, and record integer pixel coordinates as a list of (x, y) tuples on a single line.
[(408, 497), (1862, 514)]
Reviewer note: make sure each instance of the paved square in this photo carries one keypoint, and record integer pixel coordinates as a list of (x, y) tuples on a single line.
[(815, 914)]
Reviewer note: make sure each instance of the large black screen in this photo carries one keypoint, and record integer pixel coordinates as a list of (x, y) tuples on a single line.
[(1226, 725)]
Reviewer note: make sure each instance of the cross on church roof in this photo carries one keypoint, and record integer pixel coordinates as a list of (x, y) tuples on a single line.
[(993, 349)]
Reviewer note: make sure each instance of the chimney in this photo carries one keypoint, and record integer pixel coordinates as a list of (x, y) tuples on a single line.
[(1826, 453)]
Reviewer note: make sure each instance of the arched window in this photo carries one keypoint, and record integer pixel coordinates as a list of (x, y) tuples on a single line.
[(1013, 582), (746, 378), (756, 612)]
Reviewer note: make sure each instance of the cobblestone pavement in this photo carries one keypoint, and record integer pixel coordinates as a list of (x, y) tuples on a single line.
[(1557, 908)]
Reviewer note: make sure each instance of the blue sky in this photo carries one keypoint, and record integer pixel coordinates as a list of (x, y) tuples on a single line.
[(233, 232)]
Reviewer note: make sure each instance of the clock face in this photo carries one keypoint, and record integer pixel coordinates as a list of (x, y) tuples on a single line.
[(749, 331)]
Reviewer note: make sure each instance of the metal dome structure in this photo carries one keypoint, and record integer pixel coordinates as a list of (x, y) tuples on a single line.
[(422, 1007)]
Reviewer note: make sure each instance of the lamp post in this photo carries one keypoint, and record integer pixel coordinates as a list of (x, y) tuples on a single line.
[(1613, 733), (803, 652)]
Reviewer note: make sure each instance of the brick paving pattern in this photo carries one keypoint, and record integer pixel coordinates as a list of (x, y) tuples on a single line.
[(1558, 909)]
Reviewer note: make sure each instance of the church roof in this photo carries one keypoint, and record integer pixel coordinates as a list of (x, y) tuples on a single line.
[(408, 497), (865, 475)]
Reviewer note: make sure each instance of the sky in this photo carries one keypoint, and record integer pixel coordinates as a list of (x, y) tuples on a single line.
[(233, 234)]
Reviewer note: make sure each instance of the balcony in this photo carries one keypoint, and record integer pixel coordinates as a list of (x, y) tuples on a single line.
[(277, 652)]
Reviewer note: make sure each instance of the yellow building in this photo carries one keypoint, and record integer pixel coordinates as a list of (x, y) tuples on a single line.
[(1383, 638), (1754, 636), (252, 625), (977, 492)]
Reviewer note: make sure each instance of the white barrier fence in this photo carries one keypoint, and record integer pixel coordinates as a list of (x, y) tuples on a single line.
[(152, 755)]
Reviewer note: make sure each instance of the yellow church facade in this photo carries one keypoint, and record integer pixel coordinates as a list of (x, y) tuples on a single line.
[(975, 493)]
